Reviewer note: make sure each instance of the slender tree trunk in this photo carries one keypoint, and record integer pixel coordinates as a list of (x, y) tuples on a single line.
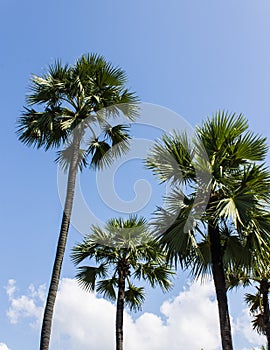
[(264, 287), (55, 277), (220, 286), (120, 311)]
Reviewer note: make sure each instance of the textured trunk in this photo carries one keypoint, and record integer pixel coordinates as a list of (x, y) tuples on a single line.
[(55, 277), (264, 286), (120, 311), (220, 287)]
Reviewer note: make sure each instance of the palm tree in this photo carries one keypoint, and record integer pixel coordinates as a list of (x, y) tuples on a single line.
[(215, 214), (63, 105), (258, 275), (124, 251)]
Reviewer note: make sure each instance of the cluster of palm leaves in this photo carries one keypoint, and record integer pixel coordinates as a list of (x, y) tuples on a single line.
[(125, 252), (232, 231), (216, 220)]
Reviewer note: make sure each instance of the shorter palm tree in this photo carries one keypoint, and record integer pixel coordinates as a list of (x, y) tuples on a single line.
[(124, 251), (258, 302)]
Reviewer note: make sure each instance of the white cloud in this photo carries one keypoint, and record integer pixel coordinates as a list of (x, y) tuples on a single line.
[(243, 324), (11, 288), (25, 305), (193, 311), (3, 346), (83, 320), (91, 321)]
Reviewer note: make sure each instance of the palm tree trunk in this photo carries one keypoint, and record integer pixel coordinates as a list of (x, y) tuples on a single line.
[(220, 286), (264, 288), (55, 277), (120, 311)]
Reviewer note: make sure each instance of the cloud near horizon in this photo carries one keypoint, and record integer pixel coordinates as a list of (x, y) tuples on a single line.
[(83, 320)]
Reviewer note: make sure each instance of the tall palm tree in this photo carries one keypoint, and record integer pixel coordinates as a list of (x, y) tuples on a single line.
[(124, 252), (63, 105), (216, 212)]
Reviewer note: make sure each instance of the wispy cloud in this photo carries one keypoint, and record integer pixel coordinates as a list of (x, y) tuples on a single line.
[(25, 305)]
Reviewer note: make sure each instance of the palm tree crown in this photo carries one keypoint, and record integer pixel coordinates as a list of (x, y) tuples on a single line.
[(90, 91), (124, 251)]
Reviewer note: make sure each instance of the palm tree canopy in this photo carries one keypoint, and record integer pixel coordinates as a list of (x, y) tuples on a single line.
[(126, 246), (218, 175), (88, 92)]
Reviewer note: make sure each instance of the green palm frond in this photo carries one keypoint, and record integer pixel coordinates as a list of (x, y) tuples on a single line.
[(134, 297), (176, 231), (227, 144), (98, 150), (254, 301), (117, 134), (114, 145), (237, 277), (171, 159), (87, 276), (257, 306), (235, 252), (258, 324), (199, 260), (64, 158), (133, 221), (96, 245), (107, 288), (220, 131), (83, 251), (49, 88), (155, 274), (250, 147), (42, 128)]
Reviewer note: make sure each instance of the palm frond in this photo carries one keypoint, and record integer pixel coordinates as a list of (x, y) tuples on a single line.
[(250, 147), (87, 276), (65, 156), (117, 134), (98, 149), (89, 247), (220, 131), (258, 324), (42, 128), (170, 159), (134, 297), (199, 260), (49, 88), (176, 231), (114, 145), (107, 288)]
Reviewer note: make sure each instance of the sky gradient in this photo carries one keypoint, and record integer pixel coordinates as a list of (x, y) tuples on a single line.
[(191, 57)]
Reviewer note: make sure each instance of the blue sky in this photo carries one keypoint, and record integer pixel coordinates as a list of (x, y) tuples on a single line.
[(192, 57)]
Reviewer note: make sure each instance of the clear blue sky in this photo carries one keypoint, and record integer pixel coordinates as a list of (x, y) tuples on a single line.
[(193, 57)]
